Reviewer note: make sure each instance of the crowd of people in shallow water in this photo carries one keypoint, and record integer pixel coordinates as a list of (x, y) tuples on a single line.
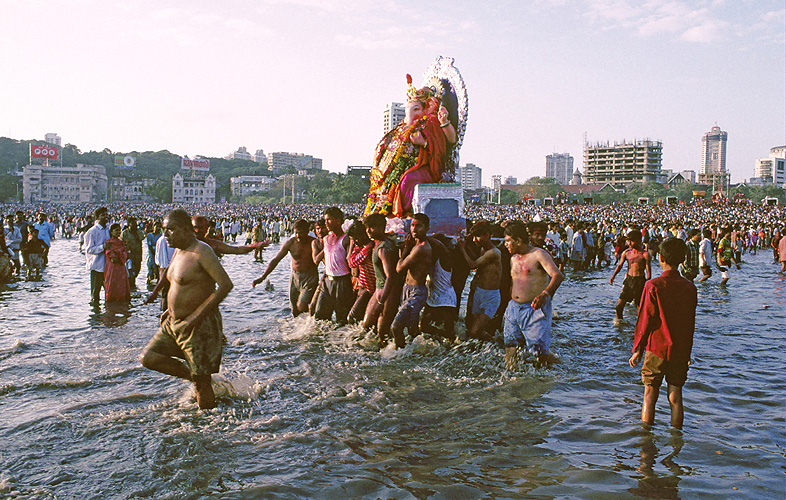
[(397, 285)]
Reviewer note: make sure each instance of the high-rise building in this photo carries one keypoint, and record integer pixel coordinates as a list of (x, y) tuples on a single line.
[(772, 170), (83, 184), (622, 163), (260, 156), (279, 160), (392, 116), (510, 180), (559, 166), (470, 177), (53, 138), (713, 157)]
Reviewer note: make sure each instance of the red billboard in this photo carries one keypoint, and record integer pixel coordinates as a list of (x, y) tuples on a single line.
[(196, 164), (45, 152)]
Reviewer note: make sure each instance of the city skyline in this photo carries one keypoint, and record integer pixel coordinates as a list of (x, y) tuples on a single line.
[(302, 75)]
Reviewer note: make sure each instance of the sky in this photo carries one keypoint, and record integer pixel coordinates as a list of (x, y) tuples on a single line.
[(313, 76)]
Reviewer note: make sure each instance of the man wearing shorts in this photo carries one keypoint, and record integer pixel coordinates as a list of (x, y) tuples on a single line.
[(304, 279), (416, 262), (485, 284), (638, 260), (534, 281), (191, 324), (664, 332)]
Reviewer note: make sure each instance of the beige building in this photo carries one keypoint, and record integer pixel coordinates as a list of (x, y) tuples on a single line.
[(279, 160), (470, 177), (130, 189), (559, 166), (193, 186), (247, 184), (713, 157), (80, 184), (623, 163)]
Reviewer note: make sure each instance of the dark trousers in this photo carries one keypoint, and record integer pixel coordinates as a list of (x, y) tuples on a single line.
[(96, 284), (335, 294)]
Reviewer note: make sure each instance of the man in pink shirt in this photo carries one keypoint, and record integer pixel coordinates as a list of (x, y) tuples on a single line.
[(664, 332), (335, 293)]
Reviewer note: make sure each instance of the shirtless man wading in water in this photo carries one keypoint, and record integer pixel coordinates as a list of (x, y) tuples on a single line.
[(638, 261), (535, 279), (304, 280), (191, 325)]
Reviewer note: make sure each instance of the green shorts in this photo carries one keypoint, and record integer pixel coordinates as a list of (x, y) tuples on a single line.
[(201, 349), (654, 369)]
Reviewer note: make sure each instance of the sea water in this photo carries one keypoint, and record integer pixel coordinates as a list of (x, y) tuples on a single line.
[(310, 411)]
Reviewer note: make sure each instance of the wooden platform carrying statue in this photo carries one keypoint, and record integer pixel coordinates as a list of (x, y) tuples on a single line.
[(422, 149)]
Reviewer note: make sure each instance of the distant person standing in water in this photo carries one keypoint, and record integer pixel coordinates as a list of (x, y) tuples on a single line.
[(95, 237), (664, 332), (191, 327)]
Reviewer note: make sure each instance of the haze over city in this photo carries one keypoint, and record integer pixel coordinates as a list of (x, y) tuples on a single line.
[(203, 78)]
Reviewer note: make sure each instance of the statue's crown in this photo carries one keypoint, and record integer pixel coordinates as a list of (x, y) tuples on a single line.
[(420, 94)]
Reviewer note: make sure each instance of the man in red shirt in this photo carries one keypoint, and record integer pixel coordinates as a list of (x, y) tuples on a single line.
[(664, 332)]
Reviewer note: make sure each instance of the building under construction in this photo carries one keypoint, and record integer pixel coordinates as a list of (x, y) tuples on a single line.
[(623, 163)]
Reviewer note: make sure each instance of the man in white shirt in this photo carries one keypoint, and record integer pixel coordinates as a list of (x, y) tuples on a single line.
[(95, 237), (705, 255), (164, 254)]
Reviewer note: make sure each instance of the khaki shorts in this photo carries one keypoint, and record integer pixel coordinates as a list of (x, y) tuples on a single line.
[(654, 369), (201, 349)]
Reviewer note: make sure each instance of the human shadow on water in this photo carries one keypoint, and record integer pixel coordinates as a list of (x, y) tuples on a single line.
[(651, 483)]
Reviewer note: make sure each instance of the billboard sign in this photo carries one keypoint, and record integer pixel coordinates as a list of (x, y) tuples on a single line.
[(44, 152), (196, 164), (125, 161)]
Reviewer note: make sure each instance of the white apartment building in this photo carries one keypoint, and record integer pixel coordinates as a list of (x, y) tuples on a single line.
[(80, 184), (772, 170), (559, 166), (193, 186), (392, 116), (247, 184), (470, 177), (279, 160), (241, 154), (53, 138), (260, 157), (713, 156)]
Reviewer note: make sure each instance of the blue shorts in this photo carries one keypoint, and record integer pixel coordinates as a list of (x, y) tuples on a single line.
[(485, 302), (413, 298), (528, 327)]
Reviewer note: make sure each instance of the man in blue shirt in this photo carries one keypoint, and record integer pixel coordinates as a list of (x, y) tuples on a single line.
[(46, 233)]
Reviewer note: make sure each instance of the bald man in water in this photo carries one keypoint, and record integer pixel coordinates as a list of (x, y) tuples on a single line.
[(191, 327)]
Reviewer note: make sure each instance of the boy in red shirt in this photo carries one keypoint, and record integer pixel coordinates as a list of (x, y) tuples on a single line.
[(664, 332)]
